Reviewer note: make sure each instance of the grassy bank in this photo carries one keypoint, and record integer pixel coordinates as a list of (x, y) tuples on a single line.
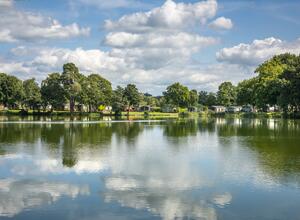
[(151, 114), (155, 114)]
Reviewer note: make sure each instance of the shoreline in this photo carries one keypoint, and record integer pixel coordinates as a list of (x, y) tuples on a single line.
[(153, 114)]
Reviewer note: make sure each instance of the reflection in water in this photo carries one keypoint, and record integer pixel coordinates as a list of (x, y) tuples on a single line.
[(185, 169), (17, 195)]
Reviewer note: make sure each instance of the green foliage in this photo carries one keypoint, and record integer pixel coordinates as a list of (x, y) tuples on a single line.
[(177, 95), (52, 92), (226, 94), (290, 95), (32, 94), (246, 92), (70, 79), (11, 90), (96, 91), (118, 100), (207, 99), (193, 97), (131, 94), (277, 84)]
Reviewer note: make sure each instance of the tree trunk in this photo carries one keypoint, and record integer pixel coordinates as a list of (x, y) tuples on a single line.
[(128, 108), (72, 104)]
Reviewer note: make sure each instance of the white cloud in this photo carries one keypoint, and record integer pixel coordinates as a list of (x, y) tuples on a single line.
[(18, 25), (170, 15), (151, 49), (158, 40), (111, 4), (257, 52), (221, 23), (6, 3), (17, 195), (152, 69), (222, 199)]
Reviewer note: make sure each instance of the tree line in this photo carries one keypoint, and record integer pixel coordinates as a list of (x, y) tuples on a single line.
[(277, 84)]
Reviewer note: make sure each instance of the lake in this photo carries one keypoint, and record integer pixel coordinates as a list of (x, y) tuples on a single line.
[(208, 169)]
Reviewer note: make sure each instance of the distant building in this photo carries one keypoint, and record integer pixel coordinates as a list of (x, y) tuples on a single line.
[(272, 108), (193, 109), (81, 108), (248, 109), (233, 109), (168, 108), (67, 107), (145, 108), (130, 109), (108, 108), (218, 108)]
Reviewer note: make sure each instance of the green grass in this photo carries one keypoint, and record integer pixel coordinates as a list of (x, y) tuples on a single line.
[(161, 114), (150, 114)]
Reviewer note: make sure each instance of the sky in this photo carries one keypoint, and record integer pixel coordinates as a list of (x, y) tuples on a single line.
[(151, 43)]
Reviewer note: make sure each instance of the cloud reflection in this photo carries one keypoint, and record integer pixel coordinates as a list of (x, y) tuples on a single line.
[(18, 195)]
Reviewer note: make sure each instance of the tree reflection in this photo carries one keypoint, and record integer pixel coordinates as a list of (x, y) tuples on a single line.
[(275, 142), (180, 128), (69, 139)]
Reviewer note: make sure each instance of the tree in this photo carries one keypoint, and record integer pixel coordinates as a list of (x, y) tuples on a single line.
[(272, 87), (290, 92), (193, 97), (70, 80), (118, 100), (32, 94), (226, 94), (83, 97), (131, 95), (11, 90), (99, 91), (177, 94), (53, 92), (207, 99), (211, 99), (246, 92)]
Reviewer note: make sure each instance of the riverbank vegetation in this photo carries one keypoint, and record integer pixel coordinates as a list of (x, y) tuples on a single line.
[(276, 85)]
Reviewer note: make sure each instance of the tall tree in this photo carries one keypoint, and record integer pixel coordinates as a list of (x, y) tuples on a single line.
[(177, 94), (290, 93), (99, 91), (70, 80), (53, 92), (193, 97), (131, 95), (32, 94), (119, 101), (207, 99), (269, 83), (246, 92), (11, 90), (226, 94)]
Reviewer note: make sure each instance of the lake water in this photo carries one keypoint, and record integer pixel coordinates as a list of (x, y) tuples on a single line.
[(204, 169)]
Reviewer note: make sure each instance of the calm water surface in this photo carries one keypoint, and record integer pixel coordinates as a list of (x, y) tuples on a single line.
[(204, 169)]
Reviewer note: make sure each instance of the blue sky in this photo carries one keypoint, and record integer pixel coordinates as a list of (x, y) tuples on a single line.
[(149, 43)]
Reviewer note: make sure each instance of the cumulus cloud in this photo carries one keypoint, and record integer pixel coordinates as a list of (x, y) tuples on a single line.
[(151, 49), (158, 40), (16, 25), (152, 69), (170, 15), (134, 183), (257, 52), (221, 23), (17, 195)]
